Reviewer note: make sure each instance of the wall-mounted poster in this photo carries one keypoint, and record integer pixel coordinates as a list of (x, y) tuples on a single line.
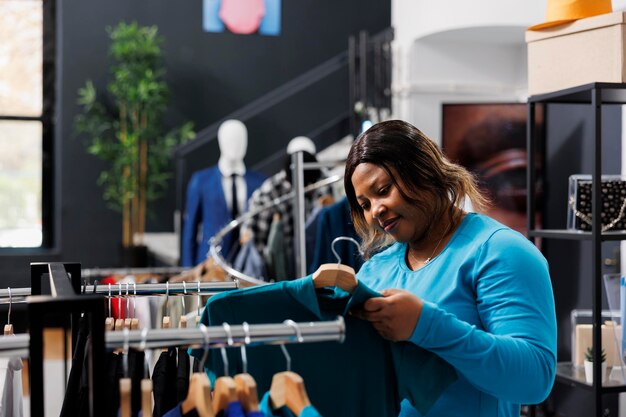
[(490, 140), (243, 17)]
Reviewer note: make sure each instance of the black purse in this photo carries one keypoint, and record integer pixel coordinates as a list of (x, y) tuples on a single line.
[(579, 215)]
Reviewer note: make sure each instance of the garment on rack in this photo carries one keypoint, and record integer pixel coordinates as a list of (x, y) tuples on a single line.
[(182, 374), (369, 387), (164, 382), (275, 255), (11, 387), (233, 409), (250, 262), (266, 409), (178, 412), (272, 188), (334, 221)]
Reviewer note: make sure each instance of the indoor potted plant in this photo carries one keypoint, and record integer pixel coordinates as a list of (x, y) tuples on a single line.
[(124, 128), (589, 365)]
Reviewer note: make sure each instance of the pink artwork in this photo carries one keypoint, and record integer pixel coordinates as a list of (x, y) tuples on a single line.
[(242, 16)]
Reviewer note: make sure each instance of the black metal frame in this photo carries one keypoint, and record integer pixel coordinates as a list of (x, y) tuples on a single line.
[(65, 299), (596, 95)]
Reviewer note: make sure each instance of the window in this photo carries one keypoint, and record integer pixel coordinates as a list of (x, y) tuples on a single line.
[(26, 114)]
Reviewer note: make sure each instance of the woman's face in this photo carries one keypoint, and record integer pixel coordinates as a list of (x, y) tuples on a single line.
[(384, 207)]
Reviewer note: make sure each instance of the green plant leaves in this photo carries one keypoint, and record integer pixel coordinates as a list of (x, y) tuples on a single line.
[(124, 128)]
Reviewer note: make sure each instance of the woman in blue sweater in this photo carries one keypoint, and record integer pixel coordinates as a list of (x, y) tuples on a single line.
[(458, 284)]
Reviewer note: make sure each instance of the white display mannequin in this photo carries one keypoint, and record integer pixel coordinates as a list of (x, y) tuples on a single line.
[(209, 204), (232, 137)]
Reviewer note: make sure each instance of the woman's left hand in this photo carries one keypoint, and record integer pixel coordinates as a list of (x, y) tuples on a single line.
[(394, 315)]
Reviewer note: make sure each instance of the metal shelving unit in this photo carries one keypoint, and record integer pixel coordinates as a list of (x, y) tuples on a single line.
[(595, 95)]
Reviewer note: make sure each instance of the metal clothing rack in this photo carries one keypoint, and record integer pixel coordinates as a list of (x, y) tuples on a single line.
[(18, 295), (297, 194), (66, 300), (219, 336)]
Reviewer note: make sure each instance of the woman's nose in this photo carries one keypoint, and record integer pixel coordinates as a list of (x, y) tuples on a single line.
[(378, 210)]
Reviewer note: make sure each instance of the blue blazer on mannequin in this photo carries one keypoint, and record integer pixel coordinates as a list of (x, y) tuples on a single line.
[(206, 205)]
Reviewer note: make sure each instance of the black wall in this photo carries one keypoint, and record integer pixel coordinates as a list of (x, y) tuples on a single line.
[(210, 75)]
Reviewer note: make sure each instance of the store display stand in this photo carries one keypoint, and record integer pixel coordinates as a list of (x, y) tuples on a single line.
[(595, 95)]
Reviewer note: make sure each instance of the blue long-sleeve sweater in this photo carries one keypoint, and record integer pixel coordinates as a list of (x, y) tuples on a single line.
[(488, 311)]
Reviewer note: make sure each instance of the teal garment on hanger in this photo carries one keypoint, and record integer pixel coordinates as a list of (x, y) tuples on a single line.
[(372, 374), (266, 408)]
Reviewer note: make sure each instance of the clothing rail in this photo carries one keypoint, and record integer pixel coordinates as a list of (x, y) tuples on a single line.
[(130, 289), (14, 346), (215, 241), (104, 272), (236, 335), (233, 335)]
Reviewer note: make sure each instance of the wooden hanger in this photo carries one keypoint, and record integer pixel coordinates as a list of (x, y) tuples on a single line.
[(146, 397), (198, 396), (245, 383), (287, 389), (224, 393), (335, 275), (125, 402), (8, 328), (125, 383), (109, 322), (247, 392), (146, 382)]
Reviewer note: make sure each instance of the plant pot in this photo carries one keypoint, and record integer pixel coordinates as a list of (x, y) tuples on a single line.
[(134, 256), (589, 371)]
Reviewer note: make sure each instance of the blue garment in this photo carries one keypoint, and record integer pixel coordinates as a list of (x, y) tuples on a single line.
[(249, 261), (370, 373), (206, 206), (266, 410), (233, 409), (334, 221), (178, 412), (255, 414), (488, 311)]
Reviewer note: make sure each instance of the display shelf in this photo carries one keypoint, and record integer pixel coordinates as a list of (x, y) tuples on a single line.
[(612, 93), (575, 234), (574, 375), (595, 96)]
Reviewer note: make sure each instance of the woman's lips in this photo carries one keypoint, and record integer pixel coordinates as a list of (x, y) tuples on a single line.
[(388, 225)]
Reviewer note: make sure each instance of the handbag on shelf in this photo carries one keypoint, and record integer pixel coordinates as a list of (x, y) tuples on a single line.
[(579, 216)]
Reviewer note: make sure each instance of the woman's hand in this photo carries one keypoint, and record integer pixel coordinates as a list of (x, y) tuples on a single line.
[(394, 315)]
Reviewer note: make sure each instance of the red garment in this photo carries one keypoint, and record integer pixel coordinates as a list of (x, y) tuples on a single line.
[(116, 302), (242, 16)]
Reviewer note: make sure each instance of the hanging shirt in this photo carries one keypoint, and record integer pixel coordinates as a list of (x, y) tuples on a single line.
[(164, 383), (11, 387), (488, 311), (372, 374), (266, 410)]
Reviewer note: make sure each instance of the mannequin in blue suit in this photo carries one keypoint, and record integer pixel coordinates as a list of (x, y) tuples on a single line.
[(210, 196)]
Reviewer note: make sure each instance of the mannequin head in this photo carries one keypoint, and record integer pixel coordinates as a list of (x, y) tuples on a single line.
[(307, 147), (232, 137), (301, 143)]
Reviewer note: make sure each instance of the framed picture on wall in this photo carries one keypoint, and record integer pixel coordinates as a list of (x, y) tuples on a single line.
[(489, 139)]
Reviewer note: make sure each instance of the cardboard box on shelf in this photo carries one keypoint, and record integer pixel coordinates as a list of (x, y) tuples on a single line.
[(585, 51), (611, 338)]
